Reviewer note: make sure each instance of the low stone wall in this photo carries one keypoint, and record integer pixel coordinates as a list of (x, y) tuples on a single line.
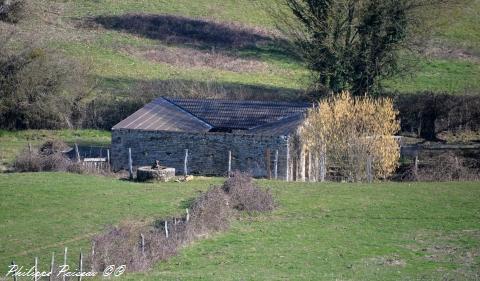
[(147, 173), (208, 152)]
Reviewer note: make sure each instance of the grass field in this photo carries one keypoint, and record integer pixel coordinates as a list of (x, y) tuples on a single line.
[(123, 54), (383, 231)]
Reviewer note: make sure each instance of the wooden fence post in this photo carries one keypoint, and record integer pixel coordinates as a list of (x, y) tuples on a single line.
[(64, 261), (287, 176), (166, 229), (142, 243), (130, 164), (188, 215), (52, 264), (93, 256), (77, 153), (268, 162), (369, 169), (323, 168), (229, 163), (415, 168), (301, 168), (185, 163), (275, 169), (309, 169), (80, 266), (30, 152)]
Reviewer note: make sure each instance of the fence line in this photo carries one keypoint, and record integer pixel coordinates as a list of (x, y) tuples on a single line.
[(287, 164)]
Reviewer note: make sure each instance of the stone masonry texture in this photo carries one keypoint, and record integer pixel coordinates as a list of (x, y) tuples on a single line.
[(207, 152)]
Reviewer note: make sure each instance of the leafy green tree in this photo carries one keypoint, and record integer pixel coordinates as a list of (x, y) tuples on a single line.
[(353, 44)]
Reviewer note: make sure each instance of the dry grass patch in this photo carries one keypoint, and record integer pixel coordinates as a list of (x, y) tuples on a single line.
[(193, 58), (392, 260), (445, 248)]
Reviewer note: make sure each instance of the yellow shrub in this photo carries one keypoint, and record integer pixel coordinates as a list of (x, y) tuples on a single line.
[(349, 131)]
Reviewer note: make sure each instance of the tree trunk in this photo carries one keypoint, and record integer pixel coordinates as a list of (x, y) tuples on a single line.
[(427, 131)]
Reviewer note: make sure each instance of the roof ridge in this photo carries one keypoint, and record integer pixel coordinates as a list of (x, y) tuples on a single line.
[(188, 112), (302, 104)]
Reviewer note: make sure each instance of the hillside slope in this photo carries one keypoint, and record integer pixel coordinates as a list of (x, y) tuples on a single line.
[(319, 231), (233, 43)]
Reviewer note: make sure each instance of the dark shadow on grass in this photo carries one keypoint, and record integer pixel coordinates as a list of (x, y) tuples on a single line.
[(199, 89), (228, 38), (184, 31)]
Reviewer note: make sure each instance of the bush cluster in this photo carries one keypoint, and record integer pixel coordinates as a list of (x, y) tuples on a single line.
[(427, 114), (446, 167), (40, 88), (351, 132), (47, 158), (12, 11), (122, 245), (211, 212), (245, 195)]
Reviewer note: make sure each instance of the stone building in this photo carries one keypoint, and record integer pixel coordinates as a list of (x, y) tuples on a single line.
[(258, 135)]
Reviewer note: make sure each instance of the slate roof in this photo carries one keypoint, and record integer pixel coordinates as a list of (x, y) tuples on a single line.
[(196, 115), (162, 115), (282, 127)]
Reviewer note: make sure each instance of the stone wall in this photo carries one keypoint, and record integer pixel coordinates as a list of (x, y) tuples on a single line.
[(208, 152)]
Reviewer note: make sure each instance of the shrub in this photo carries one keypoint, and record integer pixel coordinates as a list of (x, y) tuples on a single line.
[(40, 89), (48, 157), (210, 212), (34, 161), (120, 246), (77, 168), (245, 196), (52, 147), (348, 131), (428, 114), (27, 161), (446, 167), (11, 11)]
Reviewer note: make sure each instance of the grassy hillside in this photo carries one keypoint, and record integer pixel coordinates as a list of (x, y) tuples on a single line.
[(384, 231), (229, 42)]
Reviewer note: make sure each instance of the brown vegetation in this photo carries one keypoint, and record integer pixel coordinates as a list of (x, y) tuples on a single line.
[(12, 11), (429, 114), (352, 132), (51, 157), (193, 58), (40, 88), (48, 157), (245, 195), (33, 161), (446, 167), (139, 247)]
